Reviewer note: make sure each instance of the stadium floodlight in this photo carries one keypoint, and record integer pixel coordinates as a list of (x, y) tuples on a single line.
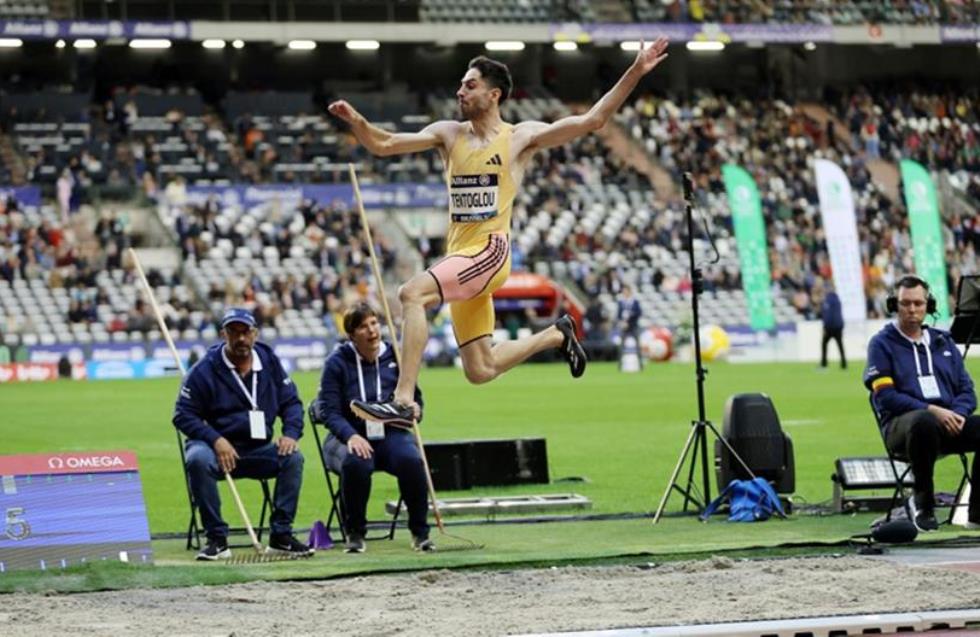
[(60, 44), (565, 46), (238, 44), (810, 46), (213, 44), (630, 45), (708, 45), (301, 45), (362, 45), (504, 45), (151, 43), (85, 43), (11, 43)]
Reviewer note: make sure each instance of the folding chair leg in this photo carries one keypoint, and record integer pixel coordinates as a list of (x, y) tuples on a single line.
[(964, 479), (899, 492), (193, 528), (394, 519), (337, 513), (193, 532), (266, 510)]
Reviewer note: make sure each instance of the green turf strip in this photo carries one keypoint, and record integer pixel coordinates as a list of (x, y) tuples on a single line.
[(633, 542), (621, 432), (506, 546)]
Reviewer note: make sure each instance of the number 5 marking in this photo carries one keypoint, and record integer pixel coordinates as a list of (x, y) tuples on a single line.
[(17, 527)]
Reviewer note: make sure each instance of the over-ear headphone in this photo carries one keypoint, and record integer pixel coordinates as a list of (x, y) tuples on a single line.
[(910, 281)]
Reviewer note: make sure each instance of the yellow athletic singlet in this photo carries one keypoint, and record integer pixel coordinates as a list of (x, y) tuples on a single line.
[(477, 261), (481, 191)]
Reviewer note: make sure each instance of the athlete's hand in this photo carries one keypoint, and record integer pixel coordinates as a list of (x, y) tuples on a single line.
[(649, 57), (343, 110), (360, 447)]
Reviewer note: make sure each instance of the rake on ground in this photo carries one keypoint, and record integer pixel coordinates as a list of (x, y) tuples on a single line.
[(467, 544)]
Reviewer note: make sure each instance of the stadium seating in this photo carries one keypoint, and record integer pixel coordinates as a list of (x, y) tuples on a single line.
[(23, 9), (504, 11), (846, 12), (777, 142), (173, 134), (584, 216)]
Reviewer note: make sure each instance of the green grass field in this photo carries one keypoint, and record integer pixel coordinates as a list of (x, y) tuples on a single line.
[(622, 433)]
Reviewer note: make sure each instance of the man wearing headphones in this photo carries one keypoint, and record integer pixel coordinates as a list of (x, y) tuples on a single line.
[(923, 395)]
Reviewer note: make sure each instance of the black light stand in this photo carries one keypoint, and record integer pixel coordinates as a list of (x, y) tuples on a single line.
[(965, 331), (697, 439)]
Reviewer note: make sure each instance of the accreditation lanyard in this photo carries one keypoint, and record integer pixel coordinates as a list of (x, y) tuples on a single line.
[(918, 366), (360, 375), (927, 382), (373, 430), (253, 397)]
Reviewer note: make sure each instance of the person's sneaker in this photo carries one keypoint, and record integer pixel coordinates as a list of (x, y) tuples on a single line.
[(355, 544), (423, 544), (389, 413), (571, 349), (923, 517), (287, 544), (215, 550)]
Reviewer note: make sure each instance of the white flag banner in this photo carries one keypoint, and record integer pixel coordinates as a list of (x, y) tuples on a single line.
[(840, 229)]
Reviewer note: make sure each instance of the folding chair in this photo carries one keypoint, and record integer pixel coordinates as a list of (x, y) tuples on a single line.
[(331, 467), (900, 477), (195, 527)]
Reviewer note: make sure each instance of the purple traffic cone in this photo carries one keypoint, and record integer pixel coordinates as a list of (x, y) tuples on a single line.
[(320, 536)]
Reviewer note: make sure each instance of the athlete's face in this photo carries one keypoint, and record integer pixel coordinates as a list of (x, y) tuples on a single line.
[(367, 338), (474, 96)]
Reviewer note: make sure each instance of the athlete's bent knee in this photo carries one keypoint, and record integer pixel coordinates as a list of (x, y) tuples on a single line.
[(479, 374), (408, 296)]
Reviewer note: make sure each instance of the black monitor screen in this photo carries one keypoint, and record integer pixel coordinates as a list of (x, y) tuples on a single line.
[(968, 294)]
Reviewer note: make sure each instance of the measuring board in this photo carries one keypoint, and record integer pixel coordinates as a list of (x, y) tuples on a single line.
[(66, 509)]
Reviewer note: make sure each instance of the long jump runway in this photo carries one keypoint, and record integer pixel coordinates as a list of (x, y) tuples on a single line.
[(941, 623)]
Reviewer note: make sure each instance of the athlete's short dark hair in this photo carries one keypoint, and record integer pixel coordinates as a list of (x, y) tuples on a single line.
[(356, 314), (494, 73)]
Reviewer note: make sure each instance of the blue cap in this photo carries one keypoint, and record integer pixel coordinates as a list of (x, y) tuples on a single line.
[(238, 315)]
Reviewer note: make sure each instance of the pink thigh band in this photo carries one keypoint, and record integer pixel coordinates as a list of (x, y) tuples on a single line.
[(461, 276)]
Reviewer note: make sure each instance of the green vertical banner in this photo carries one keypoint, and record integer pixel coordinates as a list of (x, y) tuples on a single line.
[(927, 236), (750, 236)]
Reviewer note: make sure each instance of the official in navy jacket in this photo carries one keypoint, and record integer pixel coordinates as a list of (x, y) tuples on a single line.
[(924, 397), (365, 368), (226, 408), (832, 316)]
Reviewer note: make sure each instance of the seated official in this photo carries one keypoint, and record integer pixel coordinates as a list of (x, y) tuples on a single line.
[(924, 397), (226, 408), (365, 368)]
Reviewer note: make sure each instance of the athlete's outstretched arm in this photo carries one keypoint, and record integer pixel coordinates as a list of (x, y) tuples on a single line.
[(566, 129), (381, 142)]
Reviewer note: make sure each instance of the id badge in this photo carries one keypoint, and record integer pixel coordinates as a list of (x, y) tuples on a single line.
[(375, 430), (256, 424), (929, 387)]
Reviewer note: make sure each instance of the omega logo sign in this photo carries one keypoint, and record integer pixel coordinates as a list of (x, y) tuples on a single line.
[(85, 462)]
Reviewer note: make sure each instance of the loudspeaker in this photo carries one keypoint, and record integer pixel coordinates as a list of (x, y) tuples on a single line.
[(910, 280), (464, 464), (448, 465), (752, 428)]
